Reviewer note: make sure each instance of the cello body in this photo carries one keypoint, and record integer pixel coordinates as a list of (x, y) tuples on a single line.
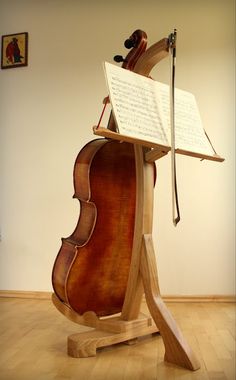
[(92, 267)]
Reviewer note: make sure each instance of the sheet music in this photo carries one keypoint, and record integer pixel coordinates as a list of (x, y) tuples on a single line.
[(142, 110), (136, 105), (189, 132)]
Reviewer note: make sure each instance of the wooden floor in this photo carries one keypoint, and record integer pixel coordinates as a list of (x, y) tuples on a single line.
[(33, 337)]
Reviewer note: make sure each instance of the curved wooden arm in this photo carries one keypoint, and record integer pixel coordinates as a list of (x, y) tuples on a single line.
[(151, 57)]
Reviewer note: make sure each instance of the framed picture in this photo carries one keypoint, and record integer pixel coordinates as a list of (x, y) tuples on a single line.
[(14, 50)]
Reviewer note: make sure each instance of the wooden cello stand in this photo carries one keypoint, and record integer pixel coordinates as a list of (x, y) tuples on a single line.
[(143, 278), (131, 323)]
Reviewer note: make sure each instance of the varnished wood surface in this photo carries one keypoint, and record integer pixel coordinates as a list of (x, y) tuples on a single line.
[(33, 345), (92, 267)]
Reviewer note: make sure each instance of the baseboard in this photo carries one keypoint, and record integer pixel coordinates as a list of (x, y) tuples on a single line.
[(200, 298), (167, 298), (25, 294)]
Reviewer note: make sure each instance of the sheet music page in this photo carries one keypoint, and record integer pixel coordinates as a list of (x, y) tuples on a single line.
[(189, 132), (142, 110), (136, 105)]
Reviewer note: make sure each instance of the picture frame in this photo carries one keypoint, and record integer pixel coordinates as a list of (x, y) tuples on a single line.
[(14, 51)]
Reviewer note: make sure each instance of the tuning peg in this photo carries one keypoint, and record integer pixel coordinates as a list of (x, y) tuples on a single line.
[(119, 58), (129, 43)]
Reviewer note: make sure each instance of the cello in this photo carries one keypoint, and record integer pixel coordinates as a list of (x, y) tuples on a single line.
[(92, 267), (108, 262)]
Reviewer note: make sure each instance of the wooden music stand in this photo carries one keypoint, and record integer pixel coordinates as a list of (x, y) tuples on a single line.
[(142, 279)]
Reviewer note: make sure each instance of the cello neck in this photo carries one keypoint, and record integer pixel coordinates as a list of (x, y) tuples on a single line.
[(137, 42)]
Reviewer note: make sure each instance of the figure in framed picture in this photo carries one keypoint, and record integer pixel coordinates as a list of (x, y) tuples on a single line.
[(14, 50)]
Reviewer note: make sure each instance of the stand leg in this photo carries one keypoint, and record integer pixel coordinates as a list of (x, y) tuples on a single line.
[(177, 350)]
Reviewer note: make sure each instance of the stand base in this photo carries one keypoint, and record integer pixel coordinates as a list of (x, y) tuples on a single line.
[(85, 344), (106, 331)]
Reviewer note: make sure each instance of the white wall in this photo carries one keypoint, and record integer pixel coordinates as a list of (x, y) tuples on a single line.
[(49, 107)]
